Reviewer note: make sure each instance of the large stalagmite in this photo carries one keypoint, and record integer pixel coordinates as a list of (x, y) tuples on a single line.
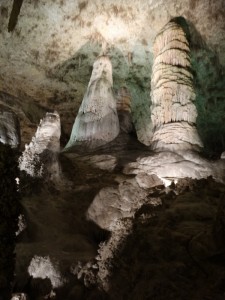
[(173, 111), (97, 121)]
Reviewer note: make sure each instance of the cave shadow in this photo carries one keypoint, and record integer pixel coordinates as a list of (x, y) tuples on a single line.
[(209, 84)]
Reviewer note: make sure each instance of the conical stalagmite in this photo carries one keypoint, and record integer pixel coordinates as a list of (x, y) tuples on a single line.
[(97, 121), (40, 157), (173, 112)]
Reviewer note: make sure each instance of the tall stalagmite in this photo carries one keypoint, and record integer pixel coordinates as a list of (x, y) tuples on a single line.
[(97, 121), (173, 111)]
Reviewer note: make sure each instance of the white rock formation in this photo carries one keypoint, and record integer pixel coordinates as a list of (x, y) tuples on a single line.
[(222, 155), (170, 165), (9, 129), (113, 204), (22, 224), (114, 209), (19, 296), (173, 112), (44, 267), (40, 156), (97, 121)]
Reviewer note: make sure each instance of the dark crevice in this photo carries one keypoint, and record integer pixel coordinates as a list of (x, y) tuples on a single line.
[(14, 14)]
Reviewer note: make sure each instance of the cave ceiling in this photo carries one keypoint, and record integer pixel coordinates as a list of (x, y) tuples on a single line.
[(48, 48)]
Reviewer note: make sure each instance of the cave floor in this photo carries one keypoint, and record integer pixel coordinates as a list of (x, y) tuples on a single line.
[(176, 251)]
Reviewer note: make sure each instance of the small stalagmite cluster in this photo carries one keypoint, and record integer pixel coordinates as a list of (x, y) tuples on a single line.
[(97, 121), (173, 111)]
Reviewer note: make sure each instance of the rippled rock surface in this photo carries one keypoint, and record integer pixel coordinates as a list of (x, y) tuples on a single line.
[(173, 111)]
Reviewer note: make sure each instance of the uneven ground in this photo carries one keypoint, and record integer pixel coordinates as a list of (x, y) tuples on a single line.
[(175, 250)]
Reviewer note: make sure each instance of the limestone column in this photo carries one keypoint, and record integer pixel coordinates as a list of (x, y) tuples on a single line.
[(97, 121), (173, 111)]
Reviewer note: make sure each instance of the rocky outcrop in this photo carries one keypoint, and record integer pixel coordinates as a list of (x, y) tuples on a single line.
[(115, 204), (172, 166), (173, 111), (45, 267), (97, 121), (9, 129), (19, 296), (40, 156)]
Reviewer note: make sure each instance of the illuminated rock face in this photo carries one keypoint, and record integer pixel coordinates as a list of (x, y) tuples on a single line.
[(9, 129), (112, 204), (97, 121), (173, 111), (40, 156), (171, 166), (44, 267)]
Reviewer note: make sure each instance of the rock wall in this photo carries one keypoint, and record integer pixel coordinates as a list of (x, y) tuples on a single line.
[(173, 111), (97, 121)]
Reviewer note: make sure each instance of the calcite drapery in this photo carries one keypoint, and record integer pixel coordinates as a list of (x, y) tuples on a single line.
[(9, 129), (40, 156), (97, 121), (173, 112)]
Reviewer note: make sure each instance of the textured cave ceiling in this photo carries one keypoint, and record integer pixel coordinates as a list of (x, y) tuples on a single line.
[(48, 49)]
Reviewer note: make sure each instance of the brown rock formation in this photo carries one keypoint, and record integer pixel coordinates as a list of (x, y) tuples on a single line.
[(123, 101), (173, 111)]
